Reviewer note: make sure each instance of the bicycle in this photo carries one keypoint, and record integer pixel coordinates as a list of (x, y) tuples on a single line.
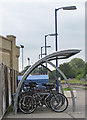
[(55, 100), (30, 100), (50, 98)]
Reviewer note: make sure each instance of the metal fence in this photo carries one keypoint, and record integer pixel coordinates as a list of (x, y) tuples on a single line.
[(8, 85)]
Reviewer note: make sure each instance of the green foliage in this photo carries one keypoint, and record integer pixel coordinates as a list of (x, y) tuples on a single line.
[(76, 81), (77, 63), (67, 70), (76, 68), (67, 89), (78, 77), (52, 75), (42, 70), (85, 72)]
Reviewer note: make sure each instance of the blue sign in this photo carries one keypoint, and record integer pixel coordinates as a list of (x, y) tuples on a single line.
[(39, 79)]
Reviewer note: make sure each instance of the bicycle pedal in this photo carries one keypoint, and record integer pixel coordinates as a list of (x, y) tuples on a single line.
[(41, 109)]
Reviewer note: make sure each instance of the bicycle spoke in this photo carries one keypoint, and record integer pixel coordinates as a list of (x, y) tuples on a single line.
[(59, 106)]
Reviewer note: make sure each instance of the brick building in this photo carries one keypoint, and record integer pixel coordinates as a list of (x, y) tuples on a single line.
[(9, 52)]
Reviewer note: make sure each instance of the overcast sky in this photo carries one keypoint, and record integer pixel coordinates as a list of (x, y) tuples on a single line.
[(31, 20)]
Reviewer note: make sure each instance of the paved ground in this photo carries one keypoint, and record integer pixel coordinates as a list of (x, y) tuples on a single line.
[(46, 113)]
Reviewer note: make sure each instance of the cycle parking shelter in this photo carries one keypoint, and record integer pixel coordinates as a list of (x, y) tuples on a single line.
[(56, 55)]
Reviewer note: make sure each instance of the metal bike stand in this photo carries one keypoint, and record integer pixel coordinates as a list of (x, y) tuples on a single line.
[(73, 98), (53, 75), (56, 55)]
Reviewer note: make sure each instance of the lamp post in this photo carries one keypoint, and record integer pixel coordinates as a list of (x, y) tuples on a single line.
[(41, 51), (43, 54), (28, 61), (64, 8), (45, 45), (45, 41), (45, 49), (39, 67), (39, 58), (22, 56)]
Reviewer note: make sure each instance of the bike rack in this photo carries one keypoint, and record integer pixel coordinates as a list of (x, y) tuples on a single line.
[(73, 98), (56, 55), (53, 75)]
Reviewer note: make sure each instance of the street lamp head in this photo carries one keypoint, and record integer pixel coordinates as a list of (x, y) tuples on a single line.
[(28, 58), (50, 35), (44, 46), (22, 46), (69, 8), (48, 46)]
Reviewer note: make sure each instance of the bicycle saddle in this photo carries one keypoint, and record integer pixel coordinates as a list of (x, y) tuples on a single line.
[(32, 84), (49, 85)]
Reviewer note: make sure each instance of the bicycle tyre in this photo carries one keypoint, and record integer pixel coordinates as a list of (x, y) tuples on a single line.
[(47, 101), (59, 105), (61, 98), (27, 104)]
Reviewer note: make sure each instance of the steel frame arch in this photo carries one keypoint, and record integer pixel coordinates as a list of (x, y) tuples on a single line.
[(73, 98), (53, 75), (61, 54)]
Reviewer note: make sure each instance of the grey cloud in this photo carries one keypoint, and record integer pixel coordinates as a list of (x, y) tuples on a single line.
[(29, 22)]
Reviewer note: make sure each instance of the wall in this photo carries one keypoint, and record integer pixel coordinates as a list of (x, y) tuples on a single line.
[(9, 52), (8, 85)]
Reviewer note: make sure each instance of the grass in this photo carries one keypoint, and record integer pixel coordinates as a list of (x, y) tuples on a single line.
[(67, 89), (74, 81), (84, 88)]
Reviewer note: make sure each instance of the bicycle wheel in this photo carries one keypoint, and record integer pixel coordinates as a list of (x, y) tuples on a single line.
[(61, 99), (58, 103), (27, 104), (47, 101)]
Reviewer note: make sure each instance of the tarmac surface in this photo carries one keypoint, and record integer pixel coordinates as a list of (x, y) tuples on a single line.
[(47, 113)]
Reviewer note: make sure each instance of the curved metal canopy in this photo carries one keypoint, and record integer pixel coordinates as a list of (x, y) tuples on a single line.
[(56, 55)]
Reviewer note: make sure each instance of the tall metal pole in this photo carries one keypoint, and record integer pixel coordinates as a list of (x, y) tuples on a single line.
[(57, 83), (41, 52), (39, 66), (41, 57), (28, 61), (64, 8), (46, 52), (45, 46), (22, 56), (22, 59)]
